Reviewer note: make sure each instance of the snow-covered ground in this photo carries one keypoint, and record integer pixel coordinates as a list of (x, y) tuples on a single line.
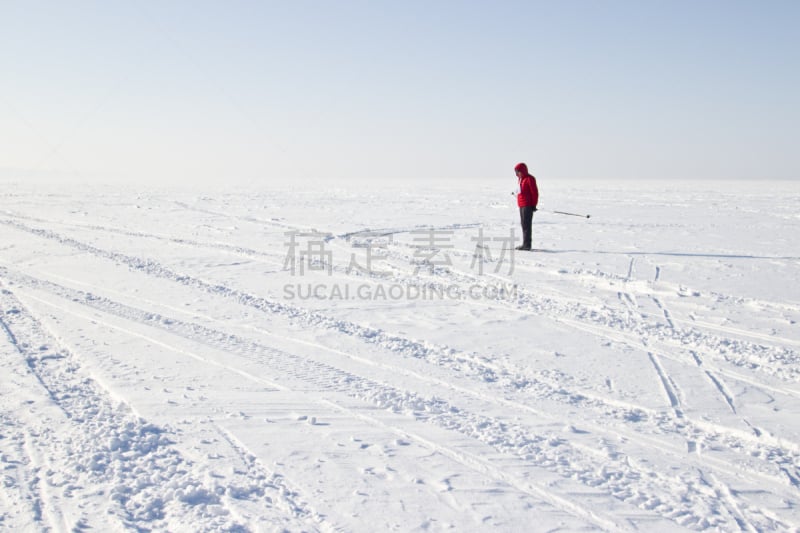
[(353, 359)]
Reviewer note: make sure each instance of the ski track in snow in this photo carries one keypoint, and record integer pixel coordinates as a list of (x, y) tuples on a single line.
[(706, 501)]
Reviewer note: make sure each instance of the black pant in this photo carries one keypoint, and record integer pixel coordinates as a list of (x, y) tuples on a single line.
[(526, 217)]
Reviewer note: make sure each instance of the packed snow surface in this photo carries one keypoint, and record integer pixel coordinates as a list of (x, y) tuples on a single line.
[(362, 359)]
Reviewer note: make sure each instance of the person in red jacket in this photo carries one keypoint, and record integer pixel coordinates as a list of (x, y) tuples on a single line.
[(527, 200)]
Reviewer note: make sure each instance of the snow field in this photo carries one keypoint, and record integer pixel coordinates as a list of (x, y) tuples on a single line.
[(640, 373)]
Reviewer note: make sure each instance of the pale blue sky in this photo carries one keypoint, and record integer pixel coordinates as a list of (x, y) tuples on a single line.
[(273, 92)]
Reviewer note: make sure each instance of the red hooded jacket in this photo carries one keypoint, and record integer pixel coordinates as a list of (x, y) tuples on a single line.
[(528, 191)]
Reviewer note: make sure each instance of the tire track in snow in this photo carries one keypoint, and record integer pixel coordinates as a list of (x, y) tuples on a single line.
[(26, 499), (690, 326), (630, 485), (667, 314), (484, 392), (725, 495), (27, 478), (330, 379), (693, 324), (640, 335), (667, 384), (778, 361), (629, 276), (20, 504), (764, 358), (442, 356), (672, 392), (241, 251), (437, 355), (539, 389), (293, 227), (716, 381), (483, 370), (291, 502), (255, 220), (732, 351), (694, 430), (105, 445), (252, 253), (669, 387)]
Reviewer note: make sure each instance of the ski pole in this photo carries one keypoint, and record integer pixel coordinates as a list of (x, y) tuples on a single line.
[(562, 212), (571, 214)]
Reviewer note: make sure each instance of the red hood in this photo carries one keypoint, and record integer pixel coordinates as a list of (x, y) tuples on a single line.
[(523, 167)]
